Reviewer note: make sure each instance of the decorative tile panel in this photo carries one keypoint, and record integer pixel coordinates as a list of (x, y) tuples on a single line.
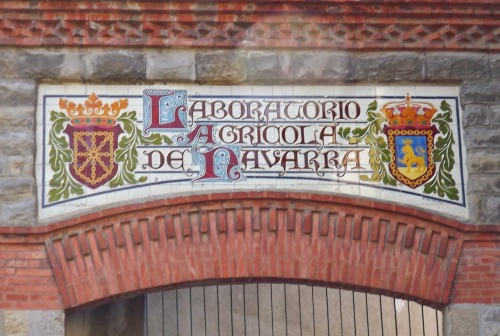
[(100, 146)]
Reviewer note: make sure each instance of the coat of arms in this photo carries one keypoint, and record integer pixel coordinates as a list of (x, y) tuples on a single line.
[(417, 147), (93, 144), (410, 134)]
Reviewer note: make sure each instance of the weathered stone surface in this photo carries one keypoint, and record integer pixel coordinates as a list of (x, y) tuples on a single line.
[(490, 314), (16, 323), (388, 67), (19, 213), (8, 63), (484, 207), (495, 115), (461, 320), (322, 66), (171, 65), (491, 212), (17, 117), (32, 323), (220, 67), (14, 188), (484, 182), (20, 142), (491, 330), (495, 66), (16, 165), (483, 160), (482, 137), (46, 322), (456, 66), (43, 64), (2, 322), (120, 65), (476, 206), (269, 67), (475, 114), (480, 92), (17, 92)]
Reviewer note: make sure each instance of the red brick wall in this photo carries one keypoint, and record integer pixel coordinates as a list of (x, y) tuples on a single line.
[(26, 277), (338, 24), (478, 275), (274, 236)]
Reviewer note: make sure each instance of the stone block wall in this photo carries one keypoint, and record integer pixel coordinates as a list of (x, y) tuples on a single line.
[(31, 323), (17, 137), (22, 69)]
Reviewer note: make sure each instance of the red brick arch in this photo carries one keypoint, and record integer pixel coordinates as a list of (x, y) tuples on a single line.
[(334, 240), (250, 235)]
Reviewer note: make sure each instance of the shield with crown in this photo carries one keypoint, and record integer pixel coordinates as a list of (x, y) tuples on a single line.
[(410, 134), (93, 138)]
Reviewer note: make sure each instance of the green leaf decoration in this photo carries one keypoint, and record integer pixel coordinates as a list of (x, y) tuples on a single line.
[(62, 185), (372, 106), (443, 183), (378, 152), (126, 154)]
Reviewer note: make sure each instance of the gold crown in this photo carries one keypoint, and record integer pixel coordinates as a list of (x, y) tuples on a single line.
[(409, 113), (407, 141), (93, 112)]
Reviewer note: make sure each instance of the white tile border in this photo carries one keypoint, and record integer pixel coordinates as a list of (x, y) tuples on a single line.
[(350, 184)]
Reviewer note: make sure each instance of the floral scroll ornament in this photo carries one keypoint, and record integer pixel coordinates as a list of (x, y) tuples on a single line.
[(94, 144), (409, 142)]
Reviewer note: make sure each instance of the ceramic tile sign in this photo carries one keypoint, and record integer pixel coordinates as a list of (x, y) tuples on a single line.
[(100, 146)]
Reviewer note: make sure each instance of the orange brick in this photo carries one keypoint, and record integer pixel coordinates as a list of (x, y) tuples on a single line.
[(300, 237)]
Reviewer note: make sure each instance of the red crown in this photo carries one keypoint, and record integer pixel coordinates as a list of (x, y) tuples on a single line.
[(93, 112), (409, 113)]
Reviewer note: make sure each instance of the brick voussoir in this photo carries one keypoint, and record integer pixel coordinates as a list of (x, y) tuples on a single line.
[(112, 241)]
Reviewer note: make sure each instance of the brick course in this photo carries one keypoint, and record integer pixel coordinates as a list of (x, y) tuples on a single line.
[(478, 274), (339, 24), (337, 241), (26, 277)]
